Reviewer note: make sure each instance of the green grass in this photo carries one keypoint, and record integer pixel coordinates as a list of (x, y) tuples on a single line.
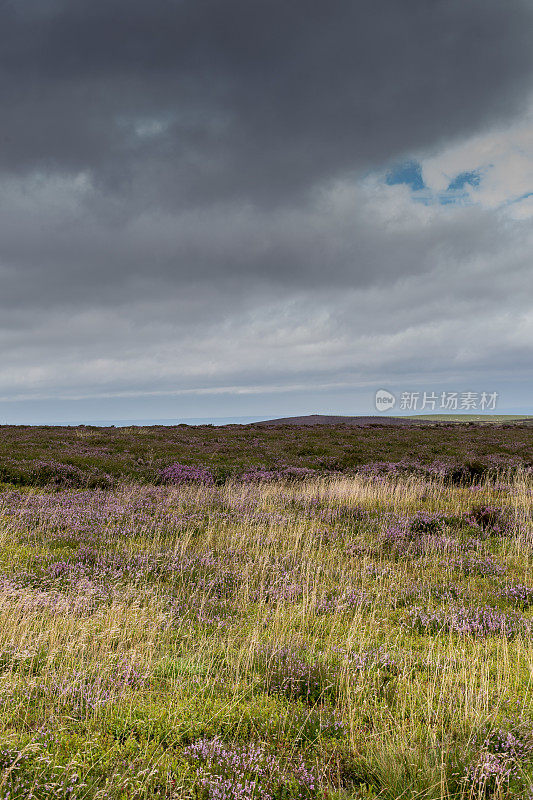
[(137, 622)]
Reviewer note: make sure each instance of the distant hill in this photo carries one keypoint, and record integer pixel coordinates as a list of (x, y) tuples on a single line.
[(522, 419), (324, 419), (419, 420)]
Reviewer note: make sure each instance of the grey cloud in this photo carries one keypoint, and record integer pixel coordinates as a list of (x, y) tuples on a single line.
[(259, 100), (182, 204), (448, 317), (54, 254)]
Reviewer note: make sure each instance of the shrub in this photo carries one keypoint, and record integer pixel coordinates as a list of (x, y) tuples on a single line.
[(185, 473), (249, 772), (497, 763), (519, 595), (492, 520), (67, 476), (478, 621)]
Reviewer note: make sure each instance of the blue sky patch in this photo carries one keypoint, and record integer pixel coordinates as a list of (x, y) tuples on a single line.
[(409, 173), (457, 192), (472, 178)]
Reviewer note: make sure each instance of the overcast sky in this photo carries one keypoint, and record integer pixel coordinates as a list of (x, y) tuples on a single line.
[(261, 207)]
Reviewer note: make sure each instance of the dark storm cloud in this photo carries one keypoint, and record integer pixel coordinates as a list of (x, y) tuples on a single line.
[(55, 253), (191, 101), (193, 194)]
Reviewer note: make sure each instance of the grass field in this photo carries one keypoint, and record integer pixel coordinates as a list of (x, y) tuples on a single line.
[(87, 456), (333, 637), (494, 418)]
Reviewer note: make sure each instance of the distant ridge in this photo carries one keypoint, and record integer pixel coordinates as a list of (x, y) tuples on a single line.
[(324, 419), (419, 420)]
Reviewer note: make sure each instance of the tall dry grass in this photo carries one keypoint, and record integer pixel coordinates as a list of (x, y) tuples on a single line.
[(111, 667)]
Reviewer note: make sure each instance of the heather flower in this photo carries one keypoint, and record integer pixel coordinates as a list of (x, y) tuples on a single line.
[(476, 565), (296, 674), (492, 520), (479, 621), (67, 476), (343, 602), (498, 760), (11, 759), (185, 473), (283, 473), (416, 592), (519, 595), (84, 692), (424, 533), (288, 591), (374, 659), (249, 772), (378, 571), (424, 523)]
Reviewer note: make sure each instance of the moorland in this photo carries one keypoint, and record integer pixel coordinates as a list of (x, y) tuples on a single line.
[(266, 614), (91, 456)]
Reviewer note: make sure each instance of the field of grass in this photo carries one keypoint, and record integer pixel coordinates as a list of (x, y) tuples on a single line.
[(489, 418), (333, 637), (87, 456)]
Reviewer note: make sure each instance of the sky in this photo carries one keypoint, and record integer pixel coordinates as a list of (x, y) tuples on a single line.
[(256, 208)]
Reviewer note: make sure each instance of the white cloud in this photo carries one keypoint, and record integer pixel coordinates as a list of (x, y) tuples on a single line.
[(504, 158)]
